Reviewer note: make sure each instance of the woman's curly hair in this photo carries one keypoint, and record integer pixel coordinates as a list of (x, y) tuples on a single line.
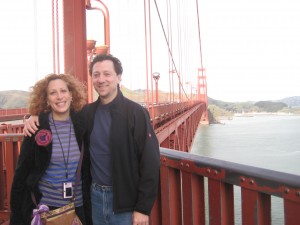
[(38, 94)]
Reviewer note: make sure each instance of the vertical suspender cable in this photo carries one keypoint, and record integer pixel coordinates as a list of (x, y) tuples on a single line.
[(150, 46), (170, 41), (57, 38), (35, 40), (170, 52), (53, 38), (179, 31), (147, 59), (146, 51), (169, 37), (199, 35), (178, 50)]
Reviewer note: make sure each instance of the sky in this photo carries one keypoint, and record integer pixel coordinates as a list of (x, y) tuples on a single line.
[(250, 48)]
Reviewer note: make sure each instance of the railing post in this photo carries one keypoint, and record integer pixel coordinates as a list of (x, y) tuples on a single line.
[(2, 175), (221, 206), (256, 208), (9, 168), (193, 199), (171, 196), (291, 212)]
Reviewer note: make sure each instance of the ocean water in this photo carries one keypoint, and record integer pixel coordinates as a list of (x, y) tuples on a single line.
[(271, 142)]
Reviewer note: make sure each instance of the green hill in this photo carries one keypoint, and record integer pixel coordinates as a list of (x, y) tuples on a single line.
[(217, 108), (13, 99), (267, 106)]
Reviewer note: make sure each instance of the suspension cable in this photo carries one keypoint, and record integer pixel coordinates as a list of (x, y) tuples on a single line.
[(199, 36), (57, 38), (172, 58), (169, 37), (53, 38)]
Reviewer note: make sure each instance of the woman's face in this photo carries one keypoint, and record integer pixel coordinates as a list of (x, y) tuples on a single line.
[(59, 98)]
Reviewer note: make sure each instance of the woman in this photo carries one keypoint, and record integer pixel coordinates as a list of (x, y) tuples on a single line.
[(48, 160)]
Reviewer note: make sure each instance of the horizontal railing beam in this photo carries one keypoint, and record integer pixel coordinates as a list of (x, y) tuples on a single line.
[(267, 181)]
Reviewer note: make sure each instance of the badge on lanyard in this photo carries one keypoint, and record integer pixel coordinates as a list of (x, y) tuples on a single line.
[(68, 190)]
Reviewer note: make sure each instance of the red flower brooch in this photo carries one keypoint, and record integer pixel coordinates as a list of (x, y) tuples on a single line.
[(43, 137)]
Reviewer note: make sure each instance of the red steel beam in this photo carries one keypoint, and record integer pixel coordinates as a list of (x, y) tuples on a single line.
[(174, 128), (256, 208), (75, 39), (291, 212), (104, 10)]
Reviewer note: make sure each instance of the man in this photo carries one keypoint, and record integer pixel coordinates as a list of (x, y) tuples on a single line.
[(123, 151)]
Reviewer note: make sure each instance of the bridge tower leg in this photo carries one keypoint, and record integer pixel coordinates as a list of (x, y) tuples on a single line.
[(202, 93), (75, 39)]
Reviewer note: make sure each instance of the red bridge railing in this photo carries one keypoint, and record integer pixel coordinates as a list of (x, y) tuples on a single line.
[(195, 190), (9, 152), (12, 114), (6, 128), (199, 190)]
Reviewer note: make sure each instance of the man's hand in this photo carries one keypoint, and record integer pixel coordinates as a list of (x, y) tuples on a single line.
[(139, 219), (31, 125)]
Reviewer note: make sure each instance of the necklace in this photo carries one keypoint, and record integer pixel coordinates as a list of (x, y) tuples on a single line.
[(66, 161)]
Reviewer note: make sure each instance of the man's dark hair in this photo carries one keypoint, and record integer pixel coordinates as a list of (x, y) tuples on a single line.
[(101, 57)]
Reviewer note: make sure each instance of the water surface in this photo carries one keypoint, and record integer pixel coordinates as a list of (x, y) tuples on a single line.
[(271, 142)]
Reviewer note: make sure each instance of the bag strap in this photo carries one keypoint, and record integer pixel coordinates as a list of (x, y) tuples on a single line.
[(77, 176)]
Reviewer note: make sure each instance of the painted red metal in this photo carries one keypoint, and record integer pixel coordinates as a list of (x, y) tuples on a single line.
[(202, 92), (99, 5), (256, 208), (75, 48), (165, 198), (187, 198), (2, 178), (256, 191), (170, 196), (11, 128), (12, 114), (10, 150), (291, 212), (198, 200), (221, 204), (178, 133), (193, 199)]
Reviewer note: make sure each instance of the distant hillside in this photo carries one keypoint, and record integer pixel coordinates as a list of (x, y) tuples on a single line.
[(267, 106), (18, 99), (139, 95), (234, 107), (251, 106), (13, 99), (293, 102)]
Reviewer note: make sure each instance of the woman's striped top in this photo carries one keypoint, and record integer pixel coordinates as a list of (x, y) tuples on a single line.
[(51, 183)]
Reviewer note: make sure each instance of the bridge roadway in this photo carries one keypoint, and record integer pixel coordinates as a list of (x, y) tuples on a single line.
[(174, 123)]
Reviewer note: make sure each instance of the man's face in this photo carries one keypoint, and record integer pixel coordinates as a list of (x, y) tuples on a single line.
[(105, 80)]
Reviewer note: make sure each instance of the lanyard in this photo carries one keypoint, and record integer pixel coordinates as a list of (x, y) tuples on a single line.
[(66, 161)]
